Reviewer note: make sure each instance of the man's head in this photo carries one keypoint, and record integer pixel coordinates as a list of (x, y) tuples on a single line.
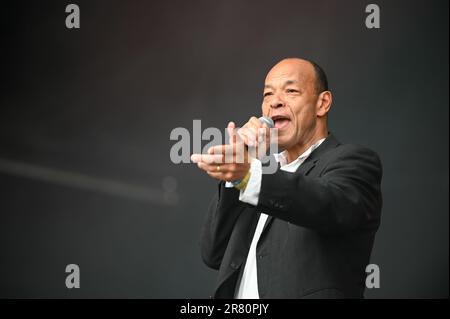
[(296, 97)]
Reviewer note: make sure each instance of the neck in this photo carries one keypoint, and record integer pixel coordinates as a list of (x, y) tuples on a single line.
[(295, 151)]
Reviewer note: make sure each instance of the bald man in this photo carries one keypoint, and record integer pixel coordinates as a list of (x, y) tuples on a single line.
[(307, 230)]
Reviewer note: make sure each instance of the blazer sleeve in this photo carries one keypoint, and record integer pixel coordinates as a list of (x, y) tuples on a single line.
[(223, 212), (345, 197)]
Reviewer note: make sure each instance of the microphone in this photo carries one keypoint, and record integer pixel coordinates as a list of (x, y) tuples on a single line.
[(267, 120)]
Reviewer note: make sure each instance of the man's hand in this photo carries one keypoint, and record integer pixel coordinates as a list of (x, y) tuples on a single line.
[(225, 162), (255, 134)]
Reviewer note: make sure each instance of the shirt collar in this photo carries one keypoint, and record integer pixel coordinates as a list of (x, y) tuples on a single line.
[(282, 157)]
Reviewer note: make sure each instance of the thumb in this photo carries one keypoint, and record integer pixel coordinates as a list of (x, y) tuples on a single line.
[(231, 128)]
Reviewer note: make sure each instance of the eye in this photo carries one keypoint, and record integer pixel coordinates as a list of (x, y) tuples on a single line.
[(267, 94), (292, 91)]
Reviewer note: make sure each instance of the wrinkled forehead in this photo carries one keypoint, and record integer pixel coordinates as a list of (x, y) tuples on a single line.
[(300, 72)]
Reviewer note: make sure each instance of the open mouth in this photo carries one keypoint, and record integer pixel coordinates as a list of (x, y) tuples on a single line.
[(280, 121)]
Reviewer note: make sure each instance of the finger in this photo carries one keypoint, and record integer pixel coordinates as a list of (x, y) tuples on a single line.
[(216, 167), (255, 122), (195, 158), (241, 133), (221, 149), (207, 158), (253, 125), (261, 128), (247, 135), (214, 171), (226, 173), (263, 134), (212, 168), (232, 132)]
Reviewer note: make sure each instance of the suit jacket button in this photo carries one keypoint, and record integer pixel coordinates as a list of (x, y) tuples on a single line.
[(234, 265)]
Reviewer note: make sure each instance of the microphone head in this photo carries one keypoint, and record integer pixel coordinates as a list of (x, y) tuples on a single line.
[(267, 120)]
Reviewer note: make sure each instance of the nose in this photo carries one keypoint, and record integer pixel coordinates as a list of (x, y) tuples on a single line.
[(276, 102)]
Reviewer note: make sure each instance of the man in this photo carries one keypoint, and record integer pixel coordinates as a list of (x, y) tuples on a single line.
[(307, 230)]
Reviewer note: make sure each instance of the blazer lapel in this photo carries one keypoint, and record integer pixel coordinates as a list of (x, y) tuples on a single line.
[(309, 164), (304, 169)]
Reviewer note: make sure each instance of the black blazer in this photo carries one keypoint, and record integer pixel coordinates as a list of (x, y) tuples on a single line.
[(318, 238)]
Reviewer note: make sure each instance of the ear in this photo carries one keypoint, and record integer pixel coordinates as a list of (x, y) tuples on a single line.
[(324, 103)]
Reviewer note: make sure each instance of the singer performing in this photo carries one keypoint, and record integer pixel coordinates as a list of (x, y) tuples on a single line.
[(306, 229)]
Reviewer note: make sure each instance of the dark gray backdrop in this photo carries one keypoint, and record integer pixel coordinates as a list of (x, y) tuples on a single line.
[(101, 101)]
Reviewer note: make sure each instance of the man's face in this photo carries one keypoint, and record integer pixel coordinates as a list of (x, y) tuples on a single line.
[(290, 100)]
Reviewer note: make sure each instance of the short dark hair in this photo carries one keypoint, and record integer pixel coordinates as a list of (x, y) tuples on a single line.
[(321, 78)]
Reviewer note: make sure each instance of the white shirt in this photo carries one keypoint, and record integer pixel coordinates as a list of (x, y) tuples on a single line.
[(248, 285)]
